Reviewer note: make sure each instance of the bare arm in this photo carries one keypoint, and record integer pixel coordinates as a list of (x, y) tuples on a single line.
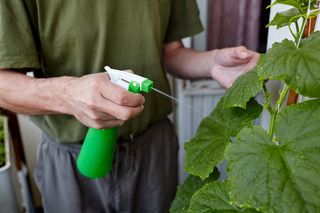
[(26, 95), (224, 65), (92, 99)]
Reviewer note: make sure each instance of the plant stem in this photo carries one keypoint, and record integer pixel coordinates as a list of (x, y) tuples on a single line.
[(274, 112), (267, 105), (276, 109), (300, 34), (292, 33), (297, 27)]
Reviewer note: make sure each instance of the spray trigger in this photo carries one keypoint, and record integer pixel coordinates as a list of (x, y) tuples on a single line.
[(129, 81)]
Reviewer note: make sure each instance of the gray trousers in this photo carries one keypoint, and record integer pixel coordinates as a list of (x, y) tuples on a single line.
[(143, 179)]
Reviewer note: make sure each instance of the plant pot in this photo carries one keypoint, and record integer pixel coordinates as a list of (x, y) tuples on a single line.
[(9, 200)]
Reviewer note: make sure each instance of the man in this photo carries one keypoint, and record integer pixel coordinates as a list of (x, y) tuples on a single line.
[(67, 44)]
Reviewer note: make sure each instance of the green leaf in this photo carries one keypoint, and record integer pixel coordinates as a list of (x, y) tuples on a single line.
[(187, 189), (299, 4), (282, 176), (293, 3), (246, 87), (300, 122), (213, 197), (285, 18), (298, 67), (207, 148)]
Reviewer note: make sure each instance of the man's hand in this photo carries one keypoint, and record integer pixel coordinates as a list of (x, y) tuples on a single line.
[(229, 63), (92, 99), (96, 102)]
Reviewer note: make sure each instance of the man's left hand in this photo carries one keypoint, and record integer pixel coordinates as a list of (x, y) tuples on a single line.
[(229, 63)]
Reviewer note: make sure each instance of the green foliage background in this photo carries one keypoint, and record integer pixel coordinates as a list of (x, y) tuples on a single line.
[(268, 171)]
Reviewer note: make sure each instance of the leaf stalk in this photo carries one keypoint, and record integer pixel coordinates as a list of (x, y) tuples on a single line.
[(267, 105), (276, 109)]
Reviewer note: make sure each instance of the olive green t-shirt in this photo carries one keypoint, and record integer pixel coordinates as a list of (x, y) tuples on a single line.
[(75, 38)]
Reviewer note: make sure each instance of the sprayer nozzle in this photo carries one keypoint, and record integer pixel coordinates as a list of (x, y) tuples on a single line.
[(146, 85)]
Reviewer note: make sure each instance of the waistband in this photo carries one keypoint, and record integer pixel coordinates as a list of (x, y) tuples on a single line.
[(153, 129)]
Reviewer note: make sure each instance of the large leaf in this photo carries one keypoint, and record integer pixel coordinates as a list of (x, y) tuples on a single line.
[(246, 87), (285, 18), (207, 148), (213, 197), (187, 189), (282, 176), (298, 67)]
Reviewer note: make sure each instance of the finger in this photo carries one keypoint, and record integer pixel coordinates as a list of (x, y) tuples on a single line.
[(241, 53), (252, 62), (113, 123), (238, 56), (118, 111), (229, 57), (124, 113), (101, 124), (93, 114), (104, 121), (107, 117), (120, 96)]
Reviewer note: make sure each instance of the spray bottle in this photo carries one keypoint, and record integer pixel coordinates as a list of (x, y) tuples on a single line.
[(97, 152)]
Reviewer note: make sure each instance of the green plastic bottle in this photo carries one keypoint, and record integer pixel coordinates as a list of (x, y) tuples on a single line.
[(96, 156), (97, 152)]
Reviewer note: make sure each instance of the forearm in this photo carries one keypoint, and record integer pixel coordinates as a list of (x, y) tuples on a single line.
[(189, 64), (22, 94)]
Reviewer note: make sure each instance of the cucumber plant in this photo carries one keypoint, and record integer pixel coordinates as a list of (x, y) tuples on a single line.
[(274, 170)]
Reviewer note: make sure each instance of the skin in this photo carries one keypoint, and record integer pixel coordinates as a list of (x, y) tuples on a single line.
[(98, 103)]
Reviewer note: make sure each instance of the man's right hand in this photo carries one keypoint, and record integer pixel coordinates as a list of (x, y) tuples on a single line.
[(96, 102)]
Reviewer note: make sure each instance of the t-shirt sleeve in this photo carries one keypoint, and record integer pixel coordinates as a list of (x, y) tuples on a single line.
[(184, 20), (17, 46)]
